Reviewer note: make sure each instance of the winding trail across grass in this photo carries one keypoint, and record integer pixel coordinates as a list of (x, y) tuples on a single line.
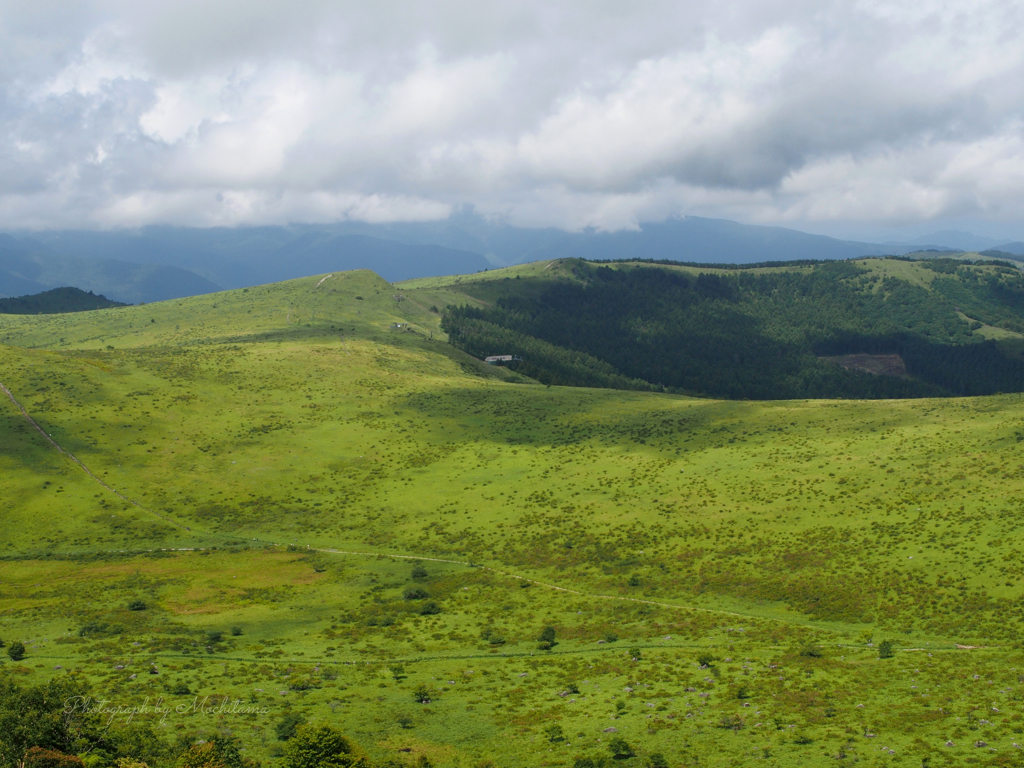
[(545, 585), (332, 551), (77, 461)]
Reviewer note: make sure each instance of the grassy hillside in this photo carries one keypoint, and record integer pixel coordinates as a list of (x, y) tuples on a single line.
[(267, 466), (766, 332)]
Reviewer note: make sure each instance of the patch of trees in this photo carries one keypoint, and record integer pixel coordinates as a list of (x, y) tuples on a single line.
[(50, 724), (59, 725), (56, 301), (713, 265), (992, 297), (748, 335)]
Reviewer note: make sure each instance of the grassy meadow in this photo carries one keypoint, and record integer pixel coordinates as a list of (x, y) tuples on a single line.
[(719, 575)]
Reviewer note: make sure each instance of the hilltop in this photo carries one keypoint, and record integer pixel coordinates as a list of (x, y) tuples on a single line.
[(267, 467), (56, 301)]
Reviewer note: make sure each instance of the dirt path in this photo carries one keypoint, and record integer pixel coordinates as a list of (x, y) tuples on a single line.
[(541, 583), (80, 464), (328, 550)]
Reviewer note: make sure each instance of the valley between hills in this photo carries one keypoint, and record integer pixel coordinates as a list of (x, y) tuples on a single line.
[(311, 501)]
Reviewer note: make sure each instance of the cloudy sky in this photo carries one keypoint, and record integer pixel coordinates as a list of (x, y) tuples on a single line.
[(843, 117)]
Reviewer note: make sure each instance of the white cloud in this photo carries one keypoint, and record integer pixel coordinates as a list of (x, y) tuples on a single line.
[(674, 114), (93, 68), (573, 114), (256, 207), (181, 108)]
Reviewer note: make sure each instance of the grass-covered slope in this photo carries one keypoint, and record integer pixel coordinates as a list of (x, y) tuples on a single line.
[(758, 332), (273, 460)]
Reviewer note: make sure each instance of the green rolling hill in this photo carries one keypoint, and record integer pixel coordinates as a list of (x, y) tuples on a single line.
[(302, 498), (759, 333)]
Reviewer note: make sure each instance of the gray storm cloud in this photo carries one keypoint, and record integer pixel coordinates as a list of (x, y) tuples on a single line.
[(570, 114)]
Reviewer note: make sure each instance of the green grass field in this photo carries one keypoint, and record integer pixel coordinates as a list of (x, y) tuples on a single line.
[(282, 456)]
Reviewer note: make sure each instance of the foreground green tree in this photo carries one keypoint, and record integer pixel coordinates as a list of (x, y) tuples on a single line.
[(49, 724), (547, 639), (34, 717), (554, 732), (37, 757), (430, 608), (620, 748), (397, 672), (16, 651), (287, 725), (421, 694), (201, 756), (885, 650), (218, 752), (321, 746)]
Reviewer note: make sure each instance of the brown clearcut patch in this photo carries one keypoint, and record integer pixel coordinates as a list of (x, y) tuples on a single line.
[(879, 365)]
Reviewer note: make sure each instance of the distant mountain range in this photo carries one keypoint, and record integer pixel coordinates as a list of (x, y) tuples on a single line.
[(1016, 248), (156, 263), (237, 258), (29, 267), (948, 239)]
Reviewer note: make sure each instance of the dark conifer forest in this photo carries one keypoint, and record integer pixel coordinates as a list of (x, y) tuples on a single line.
[(757, 333), (56, 301)]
